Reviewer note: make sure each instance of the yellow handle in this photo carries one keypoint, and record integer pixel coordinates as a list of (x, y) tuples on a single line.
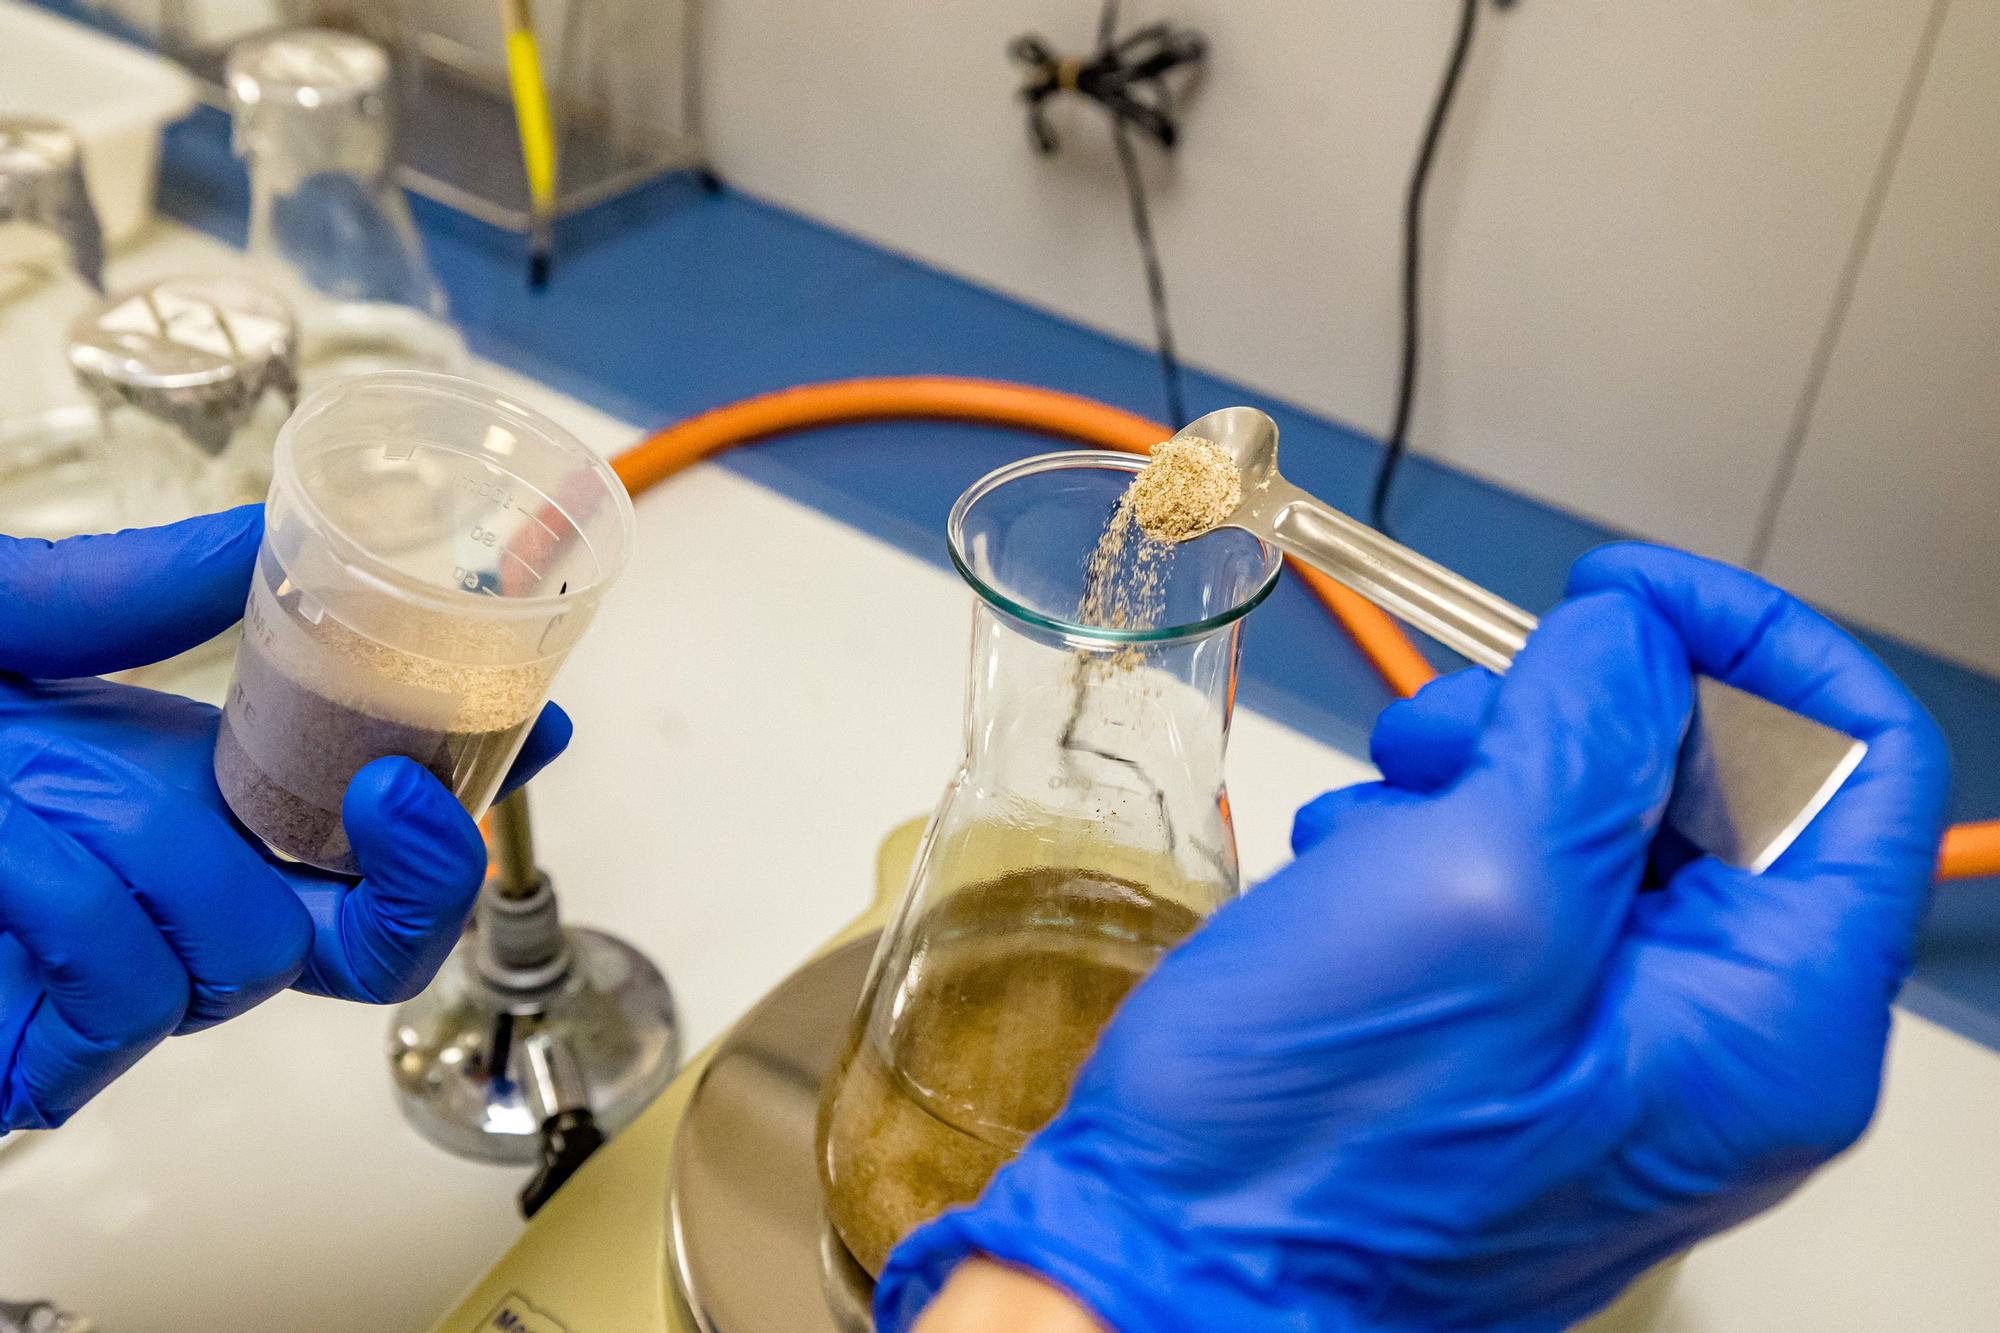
[(531, 109)]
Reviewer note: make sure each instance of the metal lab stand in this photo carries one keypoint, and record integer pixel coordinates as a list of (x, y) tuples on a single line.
[(536, 1040)]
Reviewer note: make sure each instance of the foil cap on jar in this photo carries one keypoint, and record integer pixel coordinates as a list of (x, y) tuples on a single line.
[(310, 101), (196, 353), (42, 187)]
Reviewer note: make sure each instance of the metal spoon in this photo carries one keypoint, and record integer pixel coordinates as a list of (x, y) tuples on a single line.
[(1752, 773)]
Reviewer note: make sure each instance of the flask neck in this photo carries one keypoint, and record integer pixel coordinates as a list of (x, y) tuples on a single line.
[(286, 146), (1128, 742), (327, 226), (309, 103), (314, 120)]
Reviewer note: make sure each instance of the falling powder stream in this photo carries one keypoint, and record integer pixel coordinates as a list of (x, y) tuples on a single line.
[(1189, 487)]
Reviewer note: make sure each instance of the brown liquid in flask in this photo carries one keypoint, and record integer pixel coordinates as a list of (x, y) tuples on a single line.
[(1018, 976)]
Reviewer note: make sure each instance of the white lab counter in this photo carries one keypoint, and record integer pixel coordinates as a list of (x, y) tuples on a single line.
[(751, 720)]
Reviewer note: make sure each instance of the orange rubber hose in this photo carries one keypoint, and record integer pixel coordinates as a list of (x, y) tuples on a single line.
[(1969, 850)]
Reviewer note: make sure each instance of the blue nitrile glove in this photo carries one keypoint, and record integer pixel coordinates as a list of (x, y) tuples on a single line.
[(1451, 1069), (132, 905)]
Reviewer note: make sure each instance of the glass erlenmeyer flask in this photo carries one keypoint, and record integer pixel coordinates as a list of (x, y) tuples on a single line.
[(1086, 833), (330, 230), (192, 377), (55, 478)]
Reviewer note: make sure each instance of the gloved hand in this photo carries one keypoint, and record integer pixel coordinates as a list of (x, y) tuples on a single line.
[(132, 905), (1452, 1069)]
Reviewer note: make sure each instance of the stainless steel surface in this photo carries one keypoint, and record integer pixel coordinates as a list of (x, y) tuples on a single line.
[(527, 1018), (41, 185), (1752, 774), (457, 1051), (553, 1081), (750, 1248), (1452, 609), (197, 354)]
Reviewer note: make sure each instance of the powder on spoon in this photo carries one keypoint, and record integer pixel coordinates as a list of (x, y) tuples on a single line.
[(1190, 487)]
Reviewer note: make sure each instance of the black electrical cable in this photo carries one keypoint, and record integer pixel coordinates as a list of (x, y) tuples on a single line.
[(1142, 228), (1156, 278), (1128, 77), (1413, 235)]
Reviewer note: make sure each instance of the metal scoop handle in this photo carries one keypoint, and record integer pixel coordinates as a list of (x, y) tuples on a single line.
[(1752, 774), (1483, 627)]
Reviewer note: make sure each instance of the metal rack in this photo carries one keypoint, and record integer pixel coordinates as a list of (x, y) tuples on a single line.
[(458, 143)]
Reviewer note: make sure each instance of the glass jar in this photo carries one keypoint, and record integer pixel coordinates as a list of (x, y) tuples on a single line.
[(192, 377), (55, 478), (313, 117), (1085, 834)]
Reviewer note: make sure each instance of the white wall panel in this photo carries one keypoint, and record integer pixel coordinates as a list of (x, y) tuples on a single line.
[(1651, 212), (1894, 516), (1639, 221)]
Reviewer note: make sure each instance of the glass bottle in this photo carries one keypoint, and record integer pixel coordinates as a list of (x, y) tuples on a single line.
[(330, 230), (191, 378), (55, 479), (1086, 832)]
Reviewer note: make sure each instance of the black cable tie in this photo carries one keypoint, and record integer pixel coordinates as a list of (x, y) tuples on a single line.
[(1128, 78)]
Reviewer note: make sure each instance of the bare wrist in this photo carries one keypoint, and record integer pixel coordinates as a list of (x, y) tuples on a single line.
[(985, 1296)]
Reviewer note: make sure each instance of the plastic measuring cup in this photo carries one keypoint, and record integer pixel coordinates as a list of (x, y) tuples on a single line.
[(432, 551)]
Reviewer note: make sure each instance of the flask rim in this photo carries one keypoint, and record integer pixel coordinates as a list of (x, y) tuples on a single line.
[(1074, 631)]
